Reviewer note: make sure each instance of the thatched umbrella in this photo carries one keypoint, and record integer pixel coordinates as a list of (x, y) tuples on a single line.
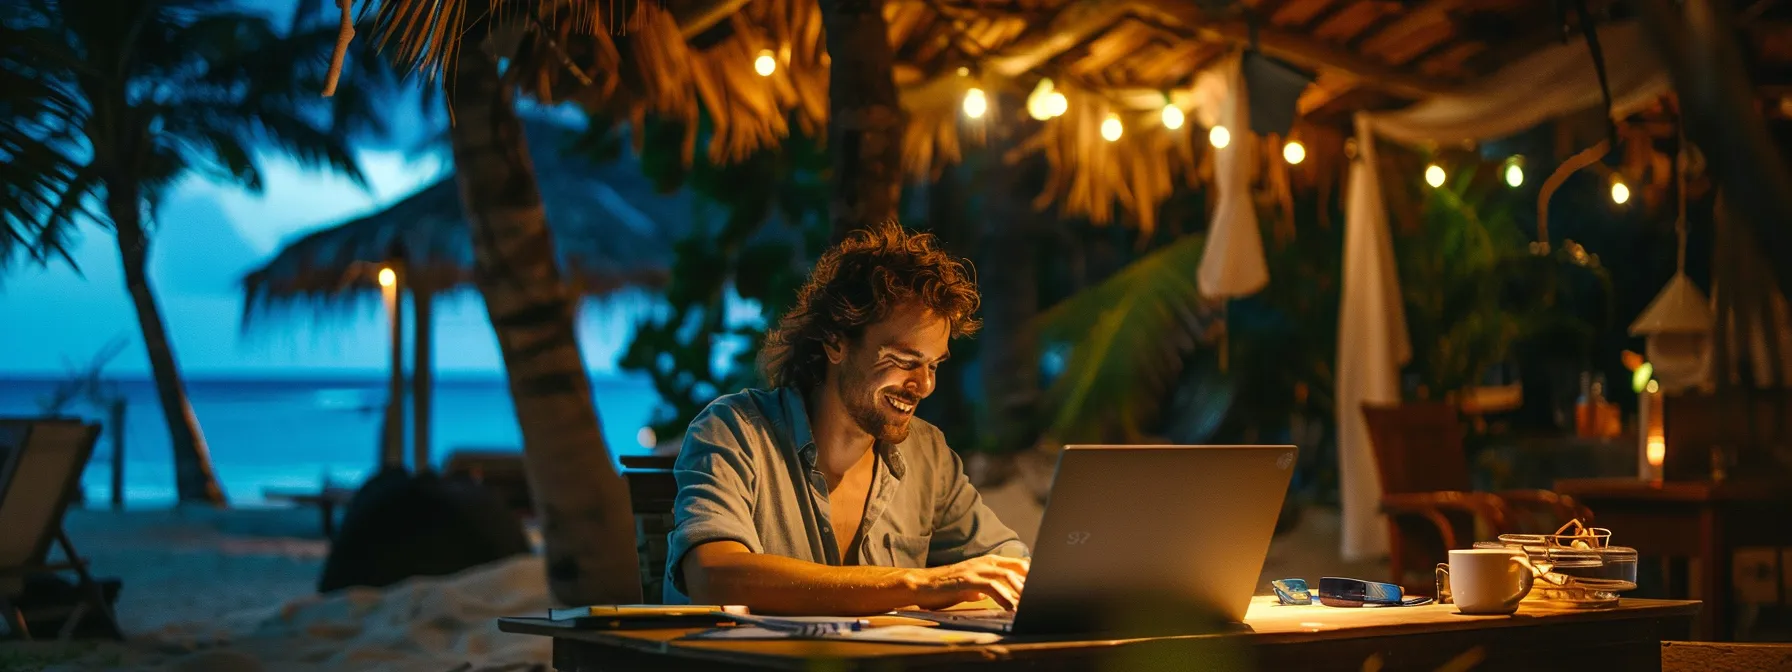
[(611, 229)]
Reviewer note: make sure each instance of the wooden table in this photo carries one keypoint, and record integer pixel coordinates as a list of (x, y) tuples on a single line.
[(1681, 520), (1627, 637)]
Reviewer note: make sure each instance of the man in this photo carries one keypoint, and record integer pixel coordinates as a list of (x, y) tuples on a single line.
[(824, 494)]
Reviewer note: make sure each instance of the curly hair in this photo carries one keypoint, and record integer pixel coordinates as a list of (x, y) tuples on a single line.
[(858, 283)]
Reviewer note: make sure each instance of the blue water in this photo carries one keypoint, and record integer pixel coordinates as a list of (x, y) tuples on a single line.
[(296, 433)]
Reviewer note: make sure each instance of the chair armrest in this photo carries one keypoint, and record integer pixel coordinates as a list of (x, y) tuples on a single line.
[(1564, 506), (1487, 509)]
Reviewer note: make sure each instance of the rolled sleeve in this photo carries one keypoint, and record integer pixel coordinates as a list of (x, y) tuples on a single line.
[(964, 526), (715, 475)]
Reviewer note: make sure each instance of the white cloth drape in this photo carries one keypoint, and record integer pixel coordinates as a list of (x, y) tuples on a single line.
[(1232, 262), (1372, 339)]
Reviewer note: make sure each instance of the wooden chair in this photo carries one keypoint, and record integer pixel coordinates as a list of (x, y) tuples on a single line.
[(652, 491), (1427, 495), (40, 470)]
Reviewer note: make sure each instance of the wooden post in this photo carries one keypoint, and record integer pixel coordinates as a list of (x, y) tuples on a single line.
[(116, 419), (392, 438), (422, 375)]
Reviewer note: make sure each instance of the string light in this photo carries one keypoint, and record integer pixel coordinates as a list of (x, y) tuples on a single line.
[(1219, 137), (1620, 192), (1294, 152), (975, 103), (1514, 172), (1110, 128), (1434, 175), (388, 277), (1057, 103), (766, 63), (1172, 117), (964, 71)]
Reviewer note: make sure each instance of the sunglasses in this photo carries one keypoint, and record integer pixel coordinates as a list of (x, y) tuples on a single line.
[(1342, 592)]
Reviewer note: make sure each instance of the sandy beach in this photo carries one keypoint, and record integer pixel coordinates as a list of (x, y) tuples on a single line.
[(234, 589)]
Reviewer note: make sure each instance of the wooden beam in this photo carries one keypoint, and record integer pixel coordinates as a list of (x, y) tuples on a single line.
[(1327, 87), (1299, 50), (1425, 14)]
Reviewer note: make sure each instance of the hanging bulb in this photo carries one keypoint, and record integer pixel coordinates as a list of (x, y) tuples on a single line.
[(975, 103), (1172, 117), (1434, 175), (1110, 128), (1620, 193), (1514, 173), (766, 63), (388, 277), (1057, 104), (964, 71), (1219, 137), (1294, 152), (1039, 104)]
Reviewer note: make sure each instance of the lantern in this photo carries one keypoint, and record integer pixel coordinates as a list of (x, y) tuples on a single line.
[(1677, 331)]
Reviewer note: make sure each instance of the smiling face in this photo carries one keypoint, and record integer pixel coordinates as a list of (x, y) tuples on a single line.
[(884, 373)]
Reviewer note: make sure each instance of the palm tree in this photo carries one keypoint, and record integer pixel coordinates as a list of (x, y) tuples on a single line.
[(588, 524), (129, 96), (865, 121)]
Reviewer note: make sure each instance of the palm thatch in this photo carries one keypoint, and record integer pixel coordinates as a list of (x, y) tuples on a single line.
[(610, 229)]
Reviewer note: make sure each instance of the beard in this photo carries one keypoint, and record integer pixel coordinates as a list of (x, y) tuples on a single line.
[(869, 409)]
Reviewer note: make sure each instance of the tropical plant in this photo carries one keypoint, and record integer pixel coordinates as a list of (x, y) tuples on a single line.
[(676, 344), (127, 97)]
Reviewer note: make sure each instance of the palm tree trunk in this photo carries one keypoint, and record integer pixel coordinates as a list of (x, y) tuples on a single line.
[(193, 476), (865, 121), (587, 522), (1008, 273)]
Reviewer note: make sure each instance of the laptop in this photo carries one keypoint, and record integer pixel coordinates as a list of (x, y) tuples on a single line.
[(1146, 540)]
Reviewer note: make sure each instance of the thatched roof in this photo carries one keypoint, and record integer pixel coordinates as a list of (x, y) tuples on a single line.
[(611, 231)]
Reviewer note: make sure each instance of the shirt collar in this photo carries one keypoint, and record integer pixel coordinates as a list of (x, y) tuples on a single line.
[(796, 418)]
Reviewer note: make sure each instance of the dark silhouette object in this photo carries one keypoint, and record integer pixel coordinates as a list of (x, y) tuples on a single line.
[(400, 525)]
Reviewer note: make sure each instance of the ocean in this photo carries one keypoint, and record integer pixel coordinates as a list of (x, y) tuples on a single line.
[(296, 434)]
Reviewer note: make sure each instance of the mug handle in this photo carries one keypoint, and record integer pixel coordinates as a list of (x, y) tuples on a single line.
[(1443, 584), (1526, 578)]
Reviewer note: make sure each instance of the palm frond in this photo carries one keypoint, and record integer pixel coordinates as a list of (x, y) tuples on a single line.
[(1128, 338)]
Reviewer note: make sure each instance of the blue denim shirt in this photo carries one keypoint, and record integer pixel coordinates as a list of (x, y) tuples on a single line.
[(747, 473)]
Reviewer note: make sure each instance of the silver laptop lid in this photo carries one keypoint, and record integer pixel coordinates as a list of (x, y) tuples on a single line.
[(1162, 535)]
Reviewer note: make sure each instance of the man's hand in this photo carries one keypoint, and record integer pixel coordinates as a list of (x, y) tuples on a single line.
[(999, 578)]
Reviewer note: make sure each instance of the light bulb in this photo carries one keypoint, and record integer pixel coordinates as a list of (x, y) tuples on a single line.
[(388, 277), (1110, 128), (1039, 104), (1057, 104), (1172, 117), (646, 437), (1294, 152), (975, 103), (1219, 137), (964, 71), (1620, 193), (1514, 175), (766, 63), (1434, 175)]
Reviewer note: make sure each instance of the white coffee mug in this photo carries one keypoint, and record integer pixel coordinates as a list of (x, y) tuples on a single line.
[(1485, 581)]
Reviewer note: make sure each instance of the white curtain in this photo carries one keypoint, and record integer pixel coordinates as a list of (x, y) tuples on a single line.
[(1372, 339), (1232, 262)]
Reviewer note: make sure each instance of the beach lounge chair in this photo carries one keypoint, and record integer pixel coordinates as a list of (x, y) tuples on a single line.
[(41, 460)]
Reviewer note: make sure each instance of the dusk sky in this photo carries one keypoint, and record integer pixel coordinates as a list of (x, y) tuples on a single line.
[(207, 236)]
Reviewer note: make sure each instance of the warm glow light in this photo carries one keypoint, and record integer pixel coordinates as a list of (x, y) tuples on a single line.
[(1514, 175), (1172, 117), (1039, 105), (1110, 128), (1642, 378), (1294, 152), (1219, 137), (1057, 104), (766, 64), (964, 71), (1620, 193), (1657, 450), (975, 103), (1434, 175), (388, 277), (1653, 387)]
